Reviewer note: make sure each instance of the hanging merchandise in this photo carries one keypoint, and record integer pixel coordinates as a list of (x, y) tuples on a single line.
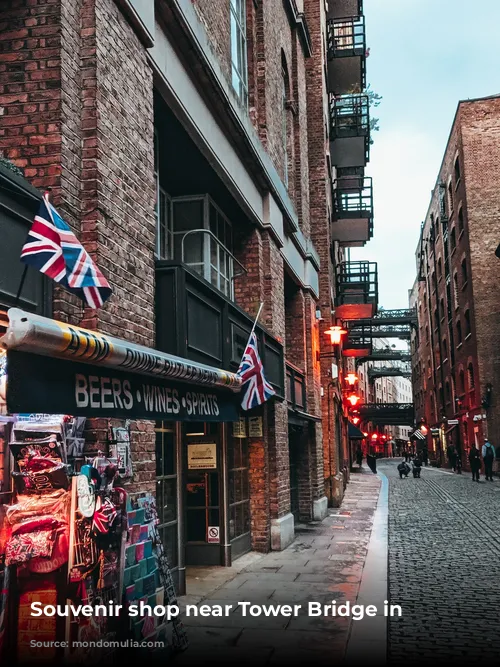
[(119, 449)]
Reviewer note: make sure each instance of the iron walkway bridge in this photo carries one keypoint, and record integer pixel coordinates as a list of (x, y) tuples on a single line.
[(389, 371), (384, 355), (388, 414), (386, 324)]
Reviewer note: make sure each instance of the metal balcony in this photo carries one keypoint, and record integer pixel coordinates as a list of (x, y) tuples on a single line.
[(353, 212), (359, 345), (349, 131), (357, 291), (346, 55), (340, 8)]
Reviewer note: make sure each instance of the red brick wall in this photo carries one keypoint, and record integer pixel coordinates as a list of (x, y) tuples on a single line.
[(76, 92), (480, 130)]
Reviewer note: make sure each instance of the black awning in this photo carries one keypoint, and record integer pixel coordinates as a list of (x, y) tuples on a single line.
[(417, 435), (353, 432), (299, 418)]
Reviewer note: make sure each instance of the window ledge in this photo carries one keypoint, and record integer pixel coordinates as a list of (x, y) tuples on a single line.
[(465, 285), (459, 346), (453, 250), (457, 184), (469, 335), (460, 234)]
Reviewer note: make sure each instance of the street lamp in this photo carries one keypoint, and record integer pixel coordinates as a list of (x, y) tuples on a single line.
[(351, 379), (335, 333)]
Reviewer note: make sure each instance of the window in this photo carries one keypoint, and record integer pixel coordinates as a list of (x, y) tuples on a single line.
[(470, 377), (455, 290), (447, 392), (166, 489), (239, 72), (464, 273), (440, 269), (445, 350), (164, 239), (457, 171), (450, 198), (284, 123), (441, 308), (453, 239), (461, 382), (467, 323), (460, 220), (459, 332), (210, 255), (433, 281), (239, 488), (436, 319)]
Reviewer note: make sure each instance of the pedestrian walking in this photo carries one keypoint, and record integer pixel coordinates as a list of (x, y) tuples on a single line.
[(475, 462), (451, 452), (488, 453), (359, 456), (425, 456)]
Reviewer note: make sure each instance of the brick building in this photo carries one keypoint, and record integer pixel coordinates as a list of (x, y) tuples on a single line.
[(455, 354), (210, 156)]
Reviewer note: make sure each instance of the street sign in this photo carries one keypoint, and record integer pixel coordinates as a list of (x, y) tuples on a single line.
[(452, 422), (213, 535)]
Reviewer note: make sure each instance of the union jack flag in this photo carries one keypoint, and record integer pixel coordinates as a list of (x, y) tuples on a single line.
[(257, 389), (53, 249)]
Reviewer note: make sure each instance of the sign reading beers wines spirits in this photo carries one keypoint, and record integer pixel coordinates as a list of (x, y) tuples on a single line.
[(44, 384)]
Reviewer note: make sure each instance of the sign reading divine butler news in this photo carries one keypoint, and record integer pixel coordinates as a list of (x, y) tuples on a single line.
[(202, 456), (45, 384)]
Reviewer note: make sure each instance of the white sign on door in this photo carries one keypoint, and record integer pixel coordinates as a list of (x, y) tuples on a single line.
[(213, 535)]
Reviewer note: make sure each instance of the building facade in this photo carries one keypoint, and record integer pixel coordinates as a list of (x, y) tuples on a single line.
[(455, 352), (210, 156)]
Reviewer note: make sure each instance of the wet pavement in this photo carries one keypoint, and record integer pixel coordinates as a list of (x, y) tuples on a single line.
[(325, 563)]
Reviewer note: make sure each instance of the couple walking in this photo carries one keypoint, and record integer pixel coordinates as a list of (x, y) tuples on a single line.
[(488, 454)]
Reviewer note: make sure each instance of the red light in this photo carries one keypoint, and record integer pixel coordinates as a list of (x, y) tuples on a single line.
[(335, 334), (356, 420), (353, 399), (424, 430), (365, 434), (351, 379), (374, 436), (384, 437)]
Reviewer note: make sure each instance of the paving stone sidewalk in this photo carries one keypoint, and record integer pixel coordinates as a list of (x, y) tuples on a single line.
[(325, 563)]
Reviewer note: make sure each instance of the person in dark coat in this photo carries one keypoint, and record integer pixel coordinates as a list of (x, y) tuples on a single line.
[(452, 456), (475, 462), (359, 456), (425, 456)]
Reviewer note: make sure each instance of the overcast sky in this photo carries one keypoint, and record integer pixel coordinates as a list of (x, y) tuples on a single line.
[(425, 56)]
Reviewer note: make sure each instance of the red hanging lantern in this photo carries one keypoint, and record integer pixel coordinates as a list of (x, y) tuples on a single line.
[(335, 334), (351, 379), (353, 399)]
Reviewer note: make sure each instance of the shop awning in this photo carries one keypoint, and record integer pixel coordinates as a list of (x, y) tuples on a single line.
[(417, 434), (39, 335), (353, 432), (57, 368), (299, 418)]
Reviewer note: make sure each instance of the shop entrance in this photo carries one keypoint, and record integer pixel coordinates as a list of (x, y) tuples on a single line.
[(203, 488)]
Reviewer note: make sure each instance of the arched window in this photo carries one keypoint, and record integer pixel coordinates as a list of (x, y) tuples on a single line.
[(467, 323), (440, 269), (453, 239), (447, 392), (460, 220), (445, 349), (461, 382), (470, 377), (464, 272), (287, 126), (457, 170), (459, 332), (441, 308), (455, 290)]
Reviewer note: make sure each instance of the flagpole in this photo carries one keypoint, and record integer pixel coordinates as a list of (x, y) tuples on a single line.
[(253, 328), (256, 319)]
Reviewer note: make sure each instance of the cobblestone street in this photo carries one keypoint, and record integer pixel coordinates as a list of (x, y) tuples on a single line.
[(444, 566)]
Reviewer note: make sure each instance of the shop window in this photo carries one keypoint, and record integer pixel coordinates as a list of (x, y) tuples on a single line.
[(166, 489), (239, 69), (239, 488), (202, 239)]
